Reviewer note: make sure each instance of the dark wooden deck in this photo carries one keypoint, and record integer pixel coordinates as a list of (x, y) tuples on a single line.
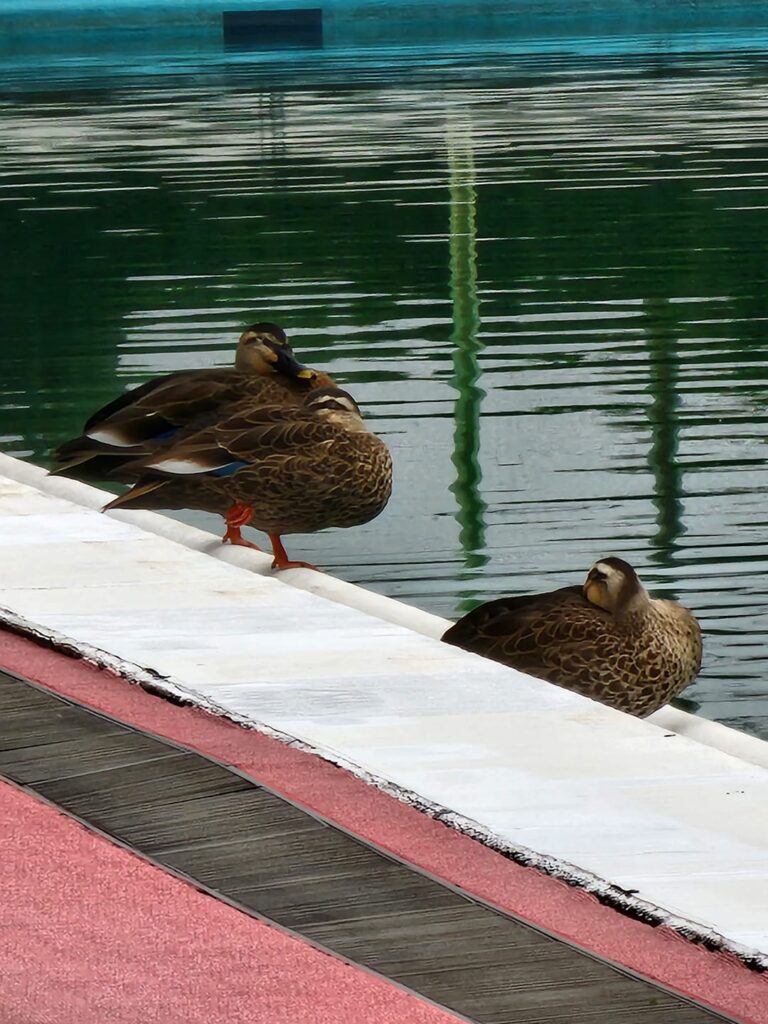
[(271, 858)]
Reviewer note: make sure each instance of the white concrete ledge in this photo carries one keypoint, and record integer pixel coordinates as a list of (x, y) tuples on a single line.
[(703, 730), (671, 826)]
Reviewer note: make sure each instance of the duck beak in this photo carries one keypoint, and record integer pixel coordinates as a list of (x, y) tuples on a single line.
[(288, 364)]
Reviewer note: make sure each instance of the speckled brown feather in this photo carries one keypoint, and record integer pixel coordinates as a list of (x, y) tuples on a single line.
[(304, 471), (635, 662), (186, 401)]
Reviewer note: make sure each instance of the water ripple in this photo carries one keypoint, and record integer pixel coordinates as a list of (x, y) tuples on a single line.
[(547, 290)]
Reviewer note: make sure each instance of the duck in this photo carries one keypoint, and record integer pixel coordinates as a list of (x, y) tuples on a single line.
[(606, 639), (162, 409), (281, 470)]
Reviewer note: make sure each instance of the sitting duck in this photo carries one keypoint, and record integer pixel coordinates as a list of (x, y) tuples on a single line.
[(606, 639), (280, 469)]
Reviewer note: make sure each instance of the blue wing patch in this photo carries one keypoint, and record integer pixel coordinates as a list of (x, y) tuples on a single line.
[(229, 469), (166, 434)]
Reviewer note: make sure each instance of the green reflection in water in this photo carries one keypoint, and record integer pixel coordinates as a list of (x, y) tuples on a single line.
[(470, 513), (663, 372)]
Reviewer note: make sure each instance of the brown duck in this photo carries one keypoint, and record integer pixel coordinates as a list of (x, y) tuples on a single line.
[(606, 639), (167, 407), (281, 470)]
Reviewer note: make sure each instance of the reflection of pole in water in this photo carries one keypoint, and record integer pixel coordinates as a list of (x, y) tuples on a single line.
[(271, 124), (466, 321), (664, 365)]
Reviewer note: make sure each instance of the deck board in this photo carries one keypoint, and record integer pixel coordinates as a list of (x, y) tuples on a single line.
[(150, 785), (25, 728), (67, 759), (240, 814), (272, 858)]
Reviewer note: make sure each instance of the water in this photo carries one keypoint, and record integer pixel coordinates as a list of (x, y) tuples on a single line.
[(544, 280)]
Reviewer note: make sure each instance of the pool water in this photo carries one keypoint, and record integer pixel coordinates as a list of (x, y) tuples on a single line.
[(544, 280)]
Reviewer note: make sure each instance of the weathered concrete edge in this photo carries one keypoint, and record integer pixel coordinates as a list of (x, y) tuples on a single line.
[(702, 730), (605, 891)]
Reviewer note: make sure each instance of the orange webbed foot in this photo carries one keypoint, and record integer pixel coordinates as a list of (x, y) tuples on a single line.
[(281, 559), (239, 515), (290, 564), (235, 538)]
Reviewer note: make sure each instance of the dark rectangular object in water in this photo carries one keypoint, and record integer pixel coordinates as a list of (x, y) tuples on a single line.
[(298, 27)]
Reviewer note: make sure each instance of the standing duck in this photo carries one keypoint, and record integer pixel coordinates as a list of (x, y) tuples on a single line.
[(281, 470), (606, 639), (164, 408)]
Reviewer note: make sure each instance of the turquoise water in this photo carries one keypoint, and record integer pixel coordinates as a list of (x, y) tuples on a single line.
[(544, 278)]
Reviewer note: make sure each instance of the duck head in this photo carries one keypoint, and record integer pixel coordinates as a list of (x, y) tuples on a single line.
[(264, 349), (612, 585), (336, 406)]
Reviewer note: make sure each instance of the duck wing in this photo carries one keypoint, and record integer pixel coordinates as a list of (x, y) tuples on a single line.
[(542, 634), (244, 440), (160, 407), (132, 395)]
